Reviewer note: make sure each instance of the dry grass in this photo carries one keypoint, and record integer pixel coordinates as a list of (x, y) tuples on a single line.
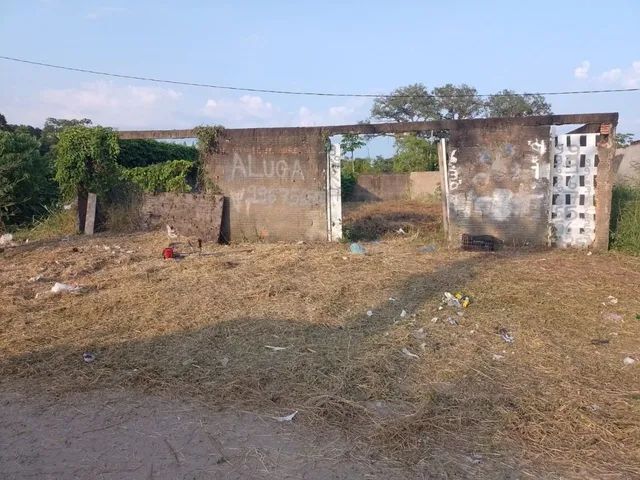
[(373, 221), (58, 224), (554, 403)]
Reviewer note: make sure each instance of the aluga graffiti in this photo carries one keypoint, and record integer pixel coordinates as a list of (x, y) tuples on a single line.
[(279, 169)]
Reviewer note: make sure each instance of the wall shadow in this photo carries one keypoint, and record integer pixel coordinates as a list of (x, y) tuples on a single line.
[(327, 371)]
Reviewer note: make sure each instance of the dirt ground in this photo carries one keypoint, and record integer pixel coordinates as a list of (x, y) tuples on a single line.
[(119, 434), (534, 379)]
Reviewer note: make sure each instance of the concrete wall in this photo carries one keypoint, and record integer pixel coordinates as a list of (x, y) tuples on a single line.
[(627, 165), (385, 186), (192, 215), (498, 183), (274, 182), (423, 184), (395, 186)]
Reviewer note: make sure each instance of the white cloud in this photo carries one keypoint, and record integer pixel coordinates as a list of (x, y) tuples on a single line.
[(307, 118), (627, 77), (612, 75), (582, 70), (243, 110), (106, 103), (350, 112)]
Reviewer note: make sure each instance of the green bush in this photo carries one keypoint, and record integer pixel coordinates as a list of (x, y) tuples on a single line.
[(141, 153), (415, 154), (348, 181), (26, 180), (86, 160), (624, 233), (161, 177)]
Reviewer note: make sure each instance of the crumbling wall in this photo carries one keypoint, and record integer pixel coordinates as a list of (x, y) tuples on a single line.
[(274, 183), (192, 215), (498, 183)]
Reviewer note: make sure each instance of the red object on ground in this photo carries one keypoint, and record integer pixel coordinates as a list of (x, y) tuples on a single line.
[(167, 253)]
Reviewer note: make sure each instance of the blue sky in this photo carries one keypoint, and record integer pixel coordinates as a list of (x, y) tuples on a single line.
[(339, 46)]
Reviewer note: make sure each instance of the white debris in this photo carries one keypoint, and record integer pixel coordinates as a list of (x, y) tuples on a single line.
[(419, 334), (406, 352), (65, 288), (434, 320), (611, 300), (369, 313), (37, 278), (275, 349), (171, 232), (391, 299), (629, 361), (286, 418), (6, 239), (401, 231), (506, 336), (497, 357), (224, 361), (589, 254), (88, 357), (451, 300), (403, 313)]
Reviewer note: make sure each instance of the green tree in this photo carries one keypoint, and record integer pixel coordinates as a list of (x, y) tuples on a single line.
[(53, 126), (451, 102), (624, 139), (349, 144), (26, 181), (507, 103), (406, 104), (414, 154), (86, 160), (457, 102)]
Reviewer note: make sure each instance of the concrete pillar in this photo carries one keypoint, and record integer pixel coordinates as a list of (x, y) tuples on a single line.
[(604, 187)]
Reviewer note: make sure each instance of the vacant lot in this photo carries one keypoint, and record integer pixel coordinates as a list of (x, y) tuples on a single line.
[(529, 381)]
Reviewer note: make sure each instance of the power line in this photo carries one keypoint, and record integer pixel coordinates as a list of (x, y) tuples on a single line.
[(289, 92)]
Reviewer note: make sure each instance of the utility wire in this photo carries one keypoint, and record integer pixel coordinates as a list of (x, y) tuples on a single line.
[(289, 92)]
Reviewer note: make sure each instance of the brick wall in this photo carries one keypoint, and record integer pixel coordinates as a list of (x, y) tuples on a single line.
[(192, 215), (274, 183), (499, 183)]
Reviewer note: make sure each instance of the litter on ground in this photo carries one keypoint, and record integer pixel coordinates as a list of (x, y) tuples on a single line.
[(275, 349), (506, 335), (356, 249), (407, 353), (88, 357), (286, 418), (65, 288)]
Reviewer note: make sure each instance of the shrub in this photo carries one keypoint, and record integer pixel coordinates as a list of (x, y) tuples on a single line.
[(86, 160), (26, 183), (348, 182), (625, 219), (141, 153), (161, 177)]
